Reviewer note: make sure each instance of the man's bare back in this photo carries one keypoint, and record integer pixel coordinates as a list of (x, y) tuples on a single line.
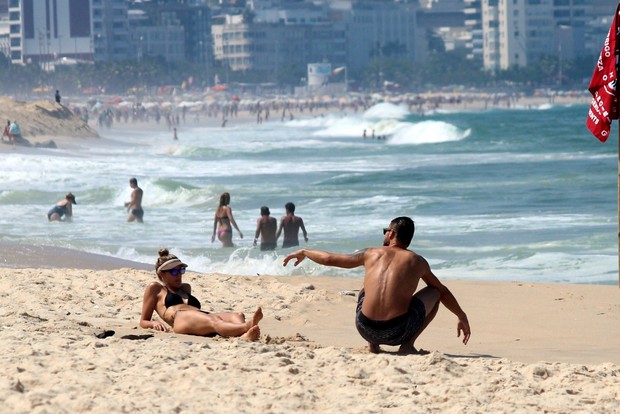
[(389, 309), (268, 226), (392, 277), (290, 224)]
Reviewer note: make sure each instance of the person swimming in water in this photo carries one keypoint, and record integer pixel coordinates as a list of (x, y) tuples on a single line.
[(62, 208), (222, 222), (173, 301)]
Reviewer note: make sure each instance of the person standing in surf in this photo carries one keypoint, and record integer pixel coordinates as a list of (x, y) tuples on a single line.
[(266, 229), (134, 206), (290, 224), (224, 221)]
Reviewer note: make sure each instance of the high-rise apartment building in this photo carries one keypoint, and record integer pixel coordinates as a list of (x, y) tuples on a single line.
[(44, 31), (517, 32), (110, 33)]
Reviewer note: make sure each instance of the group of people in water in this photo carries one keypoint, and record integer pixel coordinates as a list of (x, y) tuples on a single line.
[(223, 221), (63, 210), (389, 311), (266, 228)]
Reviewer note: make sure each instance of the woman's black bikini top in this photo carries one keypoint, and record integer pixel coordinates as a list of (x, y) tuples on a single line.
[(174, 299)]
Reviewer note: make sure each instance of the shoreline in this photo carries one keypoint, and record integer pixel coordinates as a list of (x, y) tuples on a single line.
[(491, 305)]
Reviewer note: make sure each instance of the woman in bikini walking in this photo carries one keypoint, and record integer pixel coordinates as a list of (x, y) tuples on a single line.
[(223, 221), (173, 301)]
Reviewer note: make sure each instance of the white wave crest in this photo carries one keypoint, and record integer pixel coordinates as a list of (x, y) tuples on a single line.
[(427, 132), (386, 110)]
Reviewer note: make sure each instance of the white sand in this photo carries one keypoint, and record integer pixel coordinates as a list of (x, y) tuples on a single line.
[(534, 348)]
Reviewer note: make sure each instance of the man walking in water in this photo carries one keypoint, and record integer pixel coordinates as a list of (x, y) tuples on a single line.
[(266, 229), (291, 225), (134, 206), (389, 311)]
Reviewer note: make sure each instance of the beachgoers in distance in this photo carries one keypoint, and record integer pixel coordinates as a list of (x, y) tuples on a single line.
[(266, 228), (389, 311), (7, 132), (290, 224), (223, 221), (134, 206), (62, 208), (173, 301)]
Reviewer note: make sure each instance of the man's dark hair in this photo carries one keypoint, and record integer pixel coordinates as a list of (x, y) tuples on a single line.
[(133, 181), (290, 207), (264, 211), (404, 228)]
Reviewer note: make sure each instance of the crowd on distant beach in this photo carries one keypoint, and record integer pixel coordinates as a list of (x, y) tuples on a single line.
[(174, 111)]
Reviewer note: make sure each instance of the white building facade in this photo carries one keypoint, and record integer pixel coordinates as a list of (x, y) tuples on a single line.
[(45, 31)]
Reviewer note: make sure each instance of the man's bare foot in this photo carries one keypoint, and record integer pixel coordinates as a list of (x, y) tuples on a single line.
[(374, 348), (409, 349), (252, 334)]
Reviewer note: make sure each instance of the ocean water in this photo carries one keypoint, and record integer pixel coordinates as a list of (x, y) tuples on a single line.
[(522, 194)]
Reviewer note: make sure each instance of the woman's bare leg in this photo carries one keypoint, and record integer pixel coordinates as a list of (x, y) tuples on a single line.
[(203, 324)]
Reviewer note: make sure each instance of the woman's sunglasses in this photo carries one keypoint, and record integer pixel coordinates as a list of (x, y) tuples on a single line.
[(177, 272)]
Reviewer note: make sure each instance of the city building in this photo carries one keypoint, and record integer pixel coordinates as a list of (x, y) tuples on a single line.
[(184, 30), (46, 35), (110, 35), (473, 23), (277, 40), (377, 29), (516, 32)]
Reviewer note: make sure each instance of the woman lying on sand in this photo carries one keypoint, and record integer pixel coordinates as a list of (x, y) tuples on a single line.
[(174, 303)]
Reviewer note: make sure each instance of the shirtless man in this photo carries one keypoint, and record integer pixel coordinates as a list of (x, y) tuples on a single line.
[(291, 225), (134, 206), (389, 311), (266, 229)]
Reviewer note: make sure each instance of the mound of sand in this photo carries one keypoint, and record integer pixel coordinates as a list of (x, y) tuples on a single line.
[(44, 119)]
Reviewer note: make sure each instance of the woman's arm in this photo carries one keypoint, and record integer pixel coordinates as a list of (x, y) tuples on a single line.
[(214, 227), (148, 306), (232, 221)]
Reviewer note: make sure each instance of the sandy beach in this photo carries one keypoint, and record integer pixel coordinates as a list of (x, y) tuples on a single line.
[(71, 342)]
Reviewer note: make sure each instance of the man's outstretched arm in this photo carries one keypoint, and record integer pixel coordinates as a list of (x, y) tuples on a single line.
[(347, 261)]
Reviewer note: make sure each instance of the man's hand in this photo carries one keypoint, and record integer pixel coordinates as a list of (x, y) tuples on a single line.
[(299, 255), (463, 326)]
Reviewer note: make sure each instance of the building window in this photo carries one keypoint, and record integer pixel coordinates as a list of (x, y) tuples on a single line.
[(16, 55), (14, 29), (79, 18), (16, 42)]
